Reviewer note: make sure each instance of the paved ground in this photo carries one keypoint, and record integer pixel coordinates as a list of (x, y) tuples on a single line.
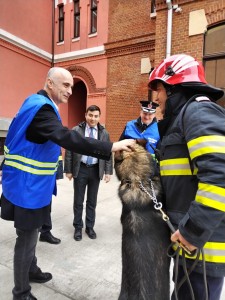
[(85, 270)]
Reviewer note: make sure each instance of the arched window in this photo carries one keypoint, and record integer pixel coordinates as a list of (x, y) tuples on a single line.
[(214, 58)]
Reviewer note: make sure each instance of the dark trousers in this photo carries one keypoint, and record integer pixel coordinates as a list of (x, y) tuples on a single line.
[(87, 177), (214, 284), (48, 223), (25, 261)]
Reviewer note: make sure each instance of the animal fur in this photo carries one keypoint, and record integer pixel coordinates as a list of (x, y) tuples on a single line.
[(145, 237)]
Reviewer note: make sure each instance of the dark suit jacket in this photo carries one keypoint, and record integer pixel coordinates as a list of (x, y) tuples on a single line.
[(72, 159)]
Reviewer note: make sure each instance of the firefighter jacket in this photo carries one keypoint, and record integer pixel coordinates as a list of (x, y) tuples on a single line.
[(151, 134), (192, 170), (29, 177)]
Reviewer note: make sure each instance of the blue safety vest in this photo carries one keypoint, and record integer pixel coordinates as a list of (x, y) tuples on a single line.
[(151, 134), (29, 171)]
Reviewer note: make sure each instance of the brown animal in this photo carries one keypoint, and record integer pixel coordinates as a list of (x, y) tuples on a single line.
[(145, 237)]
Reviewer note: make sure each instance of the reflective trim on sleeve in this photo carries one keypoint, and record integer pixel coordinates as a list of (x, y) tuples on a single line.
[(206, 144), (211, 195), (176, 166), (213, 252)]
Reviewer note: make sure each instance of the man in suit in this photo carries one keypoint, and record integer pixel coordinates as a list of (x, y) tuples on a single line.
[(87, 172), (32, 149)]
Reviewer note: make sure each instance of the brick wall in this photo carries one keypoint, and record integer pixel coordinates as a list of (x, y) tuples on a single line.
[(130, 39), (133, 35)]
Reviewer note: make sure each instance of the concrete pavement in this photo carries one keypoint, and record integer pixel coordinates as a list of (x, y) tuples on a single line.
[(85, 270)]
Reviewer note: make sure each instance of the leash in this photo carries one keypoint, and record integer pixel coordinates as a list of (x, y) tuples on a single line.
[(180, 246), (158, 206)]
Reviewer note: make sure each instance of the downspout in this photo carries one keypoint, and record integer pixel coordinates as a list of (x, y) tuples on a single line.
[(169, 27), (53, 33)]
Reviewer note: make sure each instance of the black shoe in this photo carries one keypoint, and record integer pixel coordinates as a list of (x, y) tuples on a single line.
[(39, 276), (91, 233), (78, 234), (49, 238), (29, 297)]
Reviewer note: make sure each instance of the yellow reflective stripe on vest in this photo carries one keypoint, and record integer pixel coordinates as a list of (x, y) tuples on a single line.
[(30, 169), (206, 144), (176, 166), (213, 252), (211, 195), (29, 165), (31, 161), (6, 150)]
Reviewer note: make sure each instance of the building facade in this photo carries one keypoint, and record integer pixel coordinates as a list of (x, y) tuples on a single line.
[(109, 46)]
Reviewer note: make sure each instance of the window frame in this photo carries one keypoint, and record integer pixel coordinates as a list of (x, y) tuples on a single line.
[(214, 57), (94, 16), (76, 28), (61, 23)]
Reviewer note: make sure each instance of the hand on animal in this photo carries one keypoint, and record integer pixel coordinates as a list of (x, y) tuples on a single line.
[(126, 145), (176, 236)]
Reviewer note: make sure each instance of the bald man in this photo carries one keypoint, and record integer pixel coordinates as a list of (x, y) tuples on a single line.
[(32, 149)]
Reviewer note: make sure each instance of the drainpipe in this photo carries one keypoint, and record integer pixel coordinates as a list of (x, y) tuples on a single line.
[(169, 27), (53, 32)]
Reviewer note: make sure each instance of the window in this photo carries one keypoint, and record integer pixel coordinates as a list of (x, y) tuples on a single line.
[(214, 58), (76, 18), (61, 23), (93, 16), (153, 7)]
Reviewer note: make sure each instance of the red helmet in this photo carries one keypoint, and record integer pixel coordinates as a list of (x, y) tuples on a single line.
[(178, 69)]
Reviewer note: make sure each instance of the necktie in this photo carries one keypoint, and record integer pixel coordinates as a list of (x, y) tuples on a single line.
[(90, 158)]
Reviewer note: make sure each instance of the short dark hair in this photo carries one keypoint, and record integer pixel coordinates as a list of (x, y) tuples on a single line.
[(93, 108)]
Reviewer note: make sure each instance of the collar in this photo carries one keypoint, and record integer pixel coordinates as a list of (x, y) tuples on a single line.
[(88, 127), (44, 93)]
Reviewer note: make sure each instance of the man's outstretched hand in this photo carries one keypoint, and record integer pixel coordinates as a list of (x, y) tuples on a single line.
[(125, 145)]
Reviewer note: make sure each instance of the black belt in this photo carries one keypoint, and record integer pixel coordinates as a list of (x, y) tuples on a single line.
[(89, 166)]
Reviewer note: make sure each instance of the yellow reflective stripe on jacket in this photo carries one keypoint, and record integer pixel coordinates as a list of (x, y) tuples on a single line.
[(30, 165), (206, 144), (176, 166), (30, 169), (6, 150), (211, 195), (30, 161), (213, 252)]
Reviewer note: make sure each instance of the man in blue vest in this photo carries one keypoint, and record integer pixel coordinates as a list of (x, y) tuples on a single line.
[(32, 150), (145, 127)]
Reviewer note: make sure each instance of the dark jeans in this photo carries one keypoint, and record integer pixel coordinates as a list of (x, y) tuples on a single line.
[(25, 261), (87, 177), (215, 286)]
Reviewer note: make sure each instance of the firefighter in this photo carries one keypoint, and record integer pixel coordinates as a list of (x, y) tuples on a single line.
[(192, 170)]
